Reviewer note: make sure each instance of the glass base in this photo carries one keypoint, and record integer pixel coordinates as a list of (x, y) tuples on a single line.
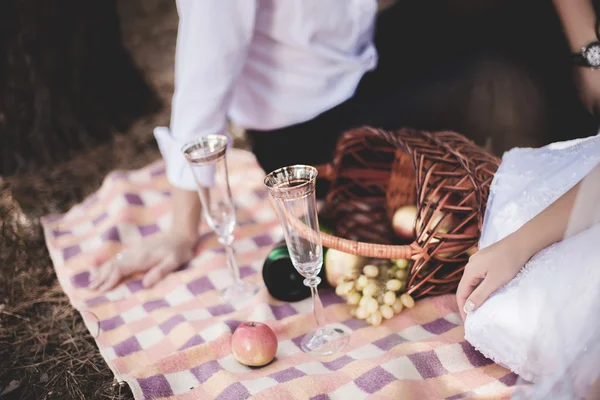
[(239, 292), (324, 341)]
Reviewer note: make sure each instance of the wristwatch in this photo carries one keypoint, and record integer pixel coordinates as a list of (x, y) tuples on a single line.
[(589, 56)]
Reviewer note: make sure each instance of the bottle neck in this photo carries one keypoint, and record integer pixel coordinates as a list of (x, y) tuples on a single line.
[(279, 251)]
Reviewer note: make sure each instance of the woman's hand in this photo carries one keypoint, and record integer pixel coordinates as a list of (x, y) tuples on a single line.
[(487, 271), (494, 266), (588, 85), (155, 256)]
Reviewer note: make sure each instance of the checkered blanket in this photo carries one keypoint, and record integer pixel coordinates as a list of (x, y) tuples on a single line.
[(173, 341)]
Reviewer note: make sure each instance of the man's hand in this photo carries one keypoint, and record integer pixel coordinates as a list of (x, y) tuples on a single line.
[(155, 256), (579, 22), (159, 254)]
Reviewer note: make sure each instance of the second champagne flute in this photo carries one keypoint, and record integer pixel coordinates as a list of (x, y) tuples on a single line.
[(293, 191), (207, 158)]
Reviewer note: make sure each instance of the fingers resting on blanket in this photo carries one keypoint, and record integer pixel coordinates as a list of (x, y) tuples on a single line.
[(155, 256)]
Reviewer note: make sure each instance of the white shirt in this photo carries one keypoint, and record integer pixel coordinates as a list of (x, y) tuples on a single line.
[(265, 64)]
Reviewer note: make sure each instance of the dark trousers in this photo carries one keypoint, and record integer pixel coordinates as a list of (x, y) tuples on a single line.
[(498, 73)]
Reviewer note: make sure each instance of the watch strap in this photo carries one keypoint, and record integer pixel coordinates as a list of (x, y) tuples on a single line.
[(580, 60)]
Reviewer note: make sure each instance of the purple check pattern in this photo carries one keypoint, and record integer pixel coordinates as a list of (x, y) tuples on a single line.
[(173, 340)]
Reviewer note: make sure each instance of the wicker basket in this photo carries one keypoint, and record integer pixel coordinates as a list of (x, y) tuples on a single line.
[(375, 172)]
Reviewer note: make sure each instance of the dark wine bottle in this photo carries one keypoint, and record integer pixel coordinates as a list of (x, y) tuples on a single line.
[(282, 280)]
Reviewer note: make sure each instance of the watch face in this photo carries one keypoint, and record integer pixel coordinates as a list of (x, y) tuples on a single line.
[(592, 55)]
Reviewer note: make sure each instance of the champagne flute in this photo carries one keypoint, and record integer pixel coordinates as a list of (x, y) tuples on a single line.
[(293, 191), (207, 159)]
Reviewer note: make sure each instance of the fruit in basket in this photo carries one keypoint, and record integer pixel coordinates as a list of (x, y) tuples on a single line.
[(377, 294), (344, 288), (401, 263), (372, 305), (254, 344), (407, 300), (370, 271), (389, 298), (375, 318), (362, 313), (403, 221), (361, 282), (386, 311), (443, 222), (363, 301), (339, 264), (397, 306), (401, 274), (393, 285), (370, 289), (353, 298), (471, 230)]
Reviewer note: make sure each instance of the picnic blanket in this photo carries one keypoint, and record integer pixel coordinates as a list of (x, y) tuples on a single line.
[(173, 340)]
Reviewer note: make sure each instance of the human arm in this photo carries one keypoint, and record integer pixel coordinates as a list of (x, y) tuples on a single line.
[(579, 23), (212, 42), (494, 266)]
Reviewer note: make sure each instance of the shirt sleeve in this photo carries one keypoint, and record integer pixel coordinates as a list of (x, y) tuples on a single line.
[(212, 43)]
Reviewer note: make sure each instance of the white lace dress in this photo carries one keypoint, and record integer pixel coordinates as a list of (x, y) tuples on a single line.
[(545, 324)]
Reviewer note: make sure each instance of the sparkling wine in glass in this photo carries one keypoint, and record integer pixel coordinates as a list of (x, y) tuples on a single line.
[(293, 192), (207, 159)]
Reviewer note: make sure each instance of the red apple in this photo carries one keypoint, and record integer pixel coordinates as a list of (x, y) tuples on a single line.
[(254, 344), (403, 221)]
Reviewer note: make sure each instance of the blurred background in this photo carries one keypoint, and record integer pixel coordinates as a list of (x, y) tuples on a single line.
[(83, 84)]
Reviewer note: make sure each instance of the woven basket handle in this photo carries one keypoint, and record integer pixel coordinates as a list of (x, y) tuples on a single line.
[(368, 249), (328, 172), (353, 247), (444, 163), (325, 171)]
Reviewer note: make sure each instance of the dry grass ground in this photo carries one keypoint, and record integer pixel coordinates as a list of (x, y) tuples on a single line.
[(45, 349)]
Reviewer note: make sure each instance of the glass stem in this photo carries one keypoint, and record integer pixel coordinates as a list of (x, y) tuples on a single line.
[(318, 311), (231, 261)]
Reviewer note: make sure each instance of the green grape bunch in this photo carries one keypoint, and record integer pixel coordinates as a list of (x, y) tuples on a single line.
[(377, 293)]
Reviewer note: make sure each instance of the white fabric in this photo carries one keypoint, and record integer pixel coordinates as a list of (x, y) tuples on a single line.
[(266, 64), (541, 323)]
